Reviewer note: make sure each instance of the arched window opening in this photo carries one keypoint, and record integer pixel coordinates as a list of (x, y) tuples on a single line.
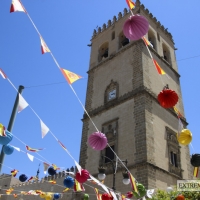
[(123, 41), (166, 53), (103, 51), (113, 35), (152, 39)]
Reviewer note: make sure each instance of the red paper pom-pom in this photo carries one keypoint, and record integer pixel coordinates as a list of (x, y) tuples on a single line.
[(106, 196), (135, 27), (129, 195), (81, 178), (180, 197), (167, 98)]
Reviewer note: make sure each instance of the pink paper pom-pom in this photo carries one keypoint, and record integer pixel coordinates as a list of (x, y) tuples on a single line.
[(97, 141), (135, 27)]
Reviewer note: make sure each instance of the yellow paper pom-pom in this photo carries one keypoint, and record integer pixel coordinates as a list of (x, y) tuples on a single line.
[(43, 195), (185, 137)]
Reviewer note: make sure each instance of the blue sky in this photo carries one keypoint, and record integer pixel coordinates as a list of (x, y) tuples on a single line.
[(67, 27)]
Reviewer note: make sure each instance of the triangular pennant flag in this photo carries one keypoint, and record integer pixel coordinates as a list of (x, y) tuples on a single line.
[(44, 47), (78, 167), (159, 69), (113, 195), (52, 181), (32, 150), (22, 103), (78, 187), (147, 42), (3, 74), (44, 128), (177, 112), (66, 189), (46, 166), (17, 6), (195, 173), (15, 195), (97, 194), (70, 76), (14, 172), (150, 193), (133, 183), (130, 3), (18, 149), (30, 156), (9, 191), (55, 167)]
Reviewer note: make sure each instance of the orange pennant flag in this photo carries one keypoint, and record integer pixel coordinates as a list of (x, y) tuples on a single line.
[(44, 47), (131, 4), (9, 191), (52, 181), (177, 112), (159, 69), (15, 195), (147, 43), (97, 194), (70, 76), (17, 6)]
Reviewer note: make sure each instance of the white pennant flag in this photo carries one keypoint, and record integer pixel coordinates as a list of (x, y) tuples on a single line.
[(44, 128), (18, 149), (150, 193), (17, 6), (30, 156), (78, 167), (46, 166), (22, 103), (113, 195)]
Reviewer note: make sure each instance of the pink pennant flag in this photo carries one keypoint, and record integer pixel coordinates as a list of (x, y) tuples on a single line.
[(30, 156), (3, 74), (17, 6), (22, 103), (44, 128), (46, 166)]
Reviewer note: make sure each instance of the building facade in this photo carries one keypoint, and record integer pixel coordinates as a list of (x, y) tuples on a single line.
[(121, 99)]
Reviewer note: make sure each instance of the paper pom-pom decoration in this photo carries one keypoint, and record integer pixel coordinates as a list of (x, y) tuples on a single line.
[(56, 196), (85, 197), (6, 139), (195, 160), (180, 197), (129, 195), (7, 149), (81, 178), (106, 196), (141, 189), (68, 182), (135, 27), (97, 141), (185, 137), (48, 197), (51, 171), (23, 177), (42, 195), (168, 98)]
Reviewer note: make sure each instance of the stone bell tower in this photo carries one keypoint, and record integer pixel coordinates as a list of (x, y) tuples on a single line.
[(122, 90)]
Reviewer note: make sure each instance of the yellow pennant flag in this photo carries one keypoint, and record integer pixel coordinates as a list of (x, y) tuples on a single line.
[(70, 76), (196, 170), (66, 189)]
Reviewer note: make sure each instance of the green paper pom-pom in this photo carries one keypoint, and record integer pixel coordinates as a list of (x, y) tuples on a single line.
[(141, 191), (86, 197)]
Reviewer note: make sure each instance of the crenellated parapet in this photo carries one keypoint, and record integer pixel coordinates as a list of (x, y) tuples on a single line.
[(57, 176), (138, 9)]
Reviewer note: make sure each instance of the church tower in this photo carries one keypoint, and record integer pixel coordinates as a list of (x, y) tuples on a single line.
[(121, 99)]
